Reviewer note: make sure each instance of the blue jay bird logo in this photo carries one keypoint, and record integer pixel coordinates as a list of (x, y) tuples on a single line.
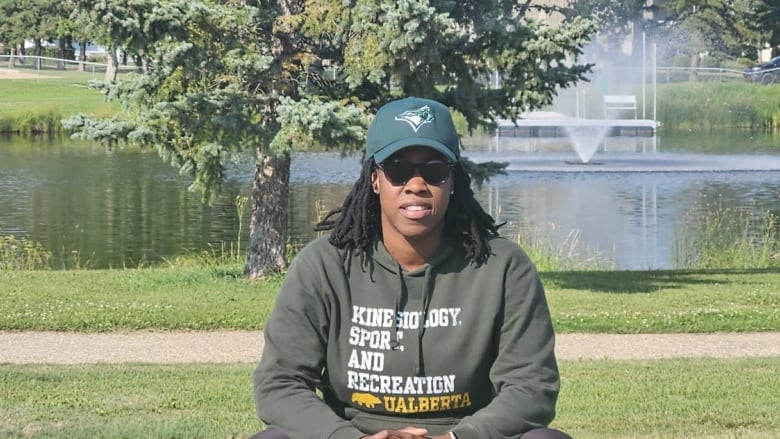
[(417, 117)]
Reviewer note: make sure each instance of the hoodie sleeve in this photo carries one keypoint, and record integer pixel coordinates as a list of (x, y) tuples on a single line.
[(291, 367), (525, 373)]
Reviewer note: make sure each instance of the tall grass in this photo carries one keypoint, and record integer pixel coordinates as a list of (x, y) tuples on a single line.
[(223, 254), (21, 254), (723, 237), (552, 250), (704, 106)]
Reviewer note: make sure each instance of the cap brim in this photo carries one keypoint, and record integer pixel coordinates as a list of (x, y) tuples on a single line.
[(382, 155)]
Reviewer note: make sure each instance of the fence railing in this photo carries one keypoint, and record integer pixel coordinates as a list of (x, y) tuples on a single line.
[(664, 74), (683, 74), (42, 65)]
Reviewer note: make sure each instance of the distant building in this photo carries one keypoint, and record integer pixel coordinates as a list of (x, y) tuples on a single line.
[(93, 50)]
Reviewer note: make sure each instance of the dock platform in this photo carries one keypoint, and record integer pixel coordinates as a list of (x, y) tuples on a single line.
[(563, 126)]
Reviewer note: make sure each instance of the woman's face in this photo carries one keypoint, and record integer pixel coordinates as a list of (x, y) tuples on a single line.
[(413, 210)]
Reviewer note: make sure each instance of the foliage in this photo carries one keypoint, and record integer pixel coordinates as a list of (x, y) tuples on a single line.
[(134, 26), (202, 100), (307, 125), (28, 19), (717, 28), (729, 238), (766, 18), (20, 254), (719, 105), (616, 20), (245, 61), (551, 254), (481, 173)]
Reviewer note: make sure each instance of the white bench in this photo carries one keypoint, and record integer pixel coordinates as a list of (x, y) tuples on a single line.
[(619, 102)]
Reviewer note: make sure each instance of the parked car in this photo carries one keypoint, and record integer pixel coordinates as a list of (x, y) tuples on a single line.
[(765, 73)]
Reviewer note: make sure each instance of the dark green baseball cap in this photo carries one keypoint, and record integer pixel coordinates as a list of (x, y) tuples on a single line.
[(408, 122)]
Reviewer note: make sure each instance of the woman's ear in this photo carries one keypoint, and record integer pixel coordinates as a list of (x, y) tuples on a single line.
[(375, 182)]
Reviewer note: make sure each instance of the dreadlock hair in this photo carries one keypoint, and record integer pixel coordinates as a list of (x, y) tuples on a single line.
[(467, 221), (357, 223)]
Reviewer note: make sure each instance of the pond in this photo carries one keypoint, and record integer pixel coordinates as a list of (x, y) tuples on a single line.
[(125, 207)]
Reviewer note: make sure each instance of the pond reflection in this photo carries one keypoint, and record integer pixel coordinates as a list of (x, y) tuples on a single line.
[(125, 206)]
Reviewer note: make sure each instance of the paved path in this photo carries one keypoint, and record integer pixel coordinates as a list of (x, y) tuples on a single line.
[(245, 346)]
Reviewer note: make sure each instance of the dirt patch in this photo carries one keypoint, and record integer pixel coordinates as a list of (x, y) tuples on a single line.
[(16, 74), (246, 346)]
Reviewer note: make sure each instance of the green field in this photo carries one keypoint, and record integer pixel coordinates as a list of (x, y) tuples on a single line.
[(39, 102), (219, 298), (703, 398)]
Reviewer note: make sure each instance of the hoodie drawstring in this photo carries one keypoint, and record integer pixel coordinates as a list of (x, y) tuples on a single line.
[(423, 319), (395, 344)]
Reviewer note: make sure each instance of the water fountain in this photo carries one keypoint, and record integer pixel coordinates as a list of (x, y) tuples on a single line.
[(586, 136), (543, 142)]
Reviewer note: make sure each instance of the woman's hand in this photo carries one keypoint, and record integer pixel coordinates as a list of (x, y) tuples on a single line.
[(404, 433)]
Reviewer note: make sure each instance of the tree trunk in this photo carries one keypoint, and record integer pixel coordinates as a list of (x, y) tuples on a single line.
[(62, 53), (82, 55), (144, 64), (111, 64), (20, 53), (268, 227), (694, 75)]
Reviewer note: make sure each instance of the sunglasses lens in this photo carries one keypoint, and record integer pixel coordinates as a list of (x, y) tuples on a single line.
[(399, 172), (434, 172)]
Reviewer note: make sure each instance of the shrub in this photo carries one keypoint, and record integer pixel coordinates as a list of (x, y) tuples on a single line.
[(20, 254)]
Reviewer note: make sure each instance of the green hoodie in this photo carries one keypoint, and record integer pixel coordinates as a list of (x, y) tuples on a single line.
[(470, 349)]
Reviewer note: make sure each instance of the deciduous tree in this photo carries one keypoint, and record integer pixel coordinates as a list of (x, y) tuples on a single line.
[(713, 27), (766, 17)]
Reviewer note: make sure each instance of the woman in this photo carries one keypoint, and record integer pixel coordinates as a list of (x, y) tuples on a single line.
[(412, 319)]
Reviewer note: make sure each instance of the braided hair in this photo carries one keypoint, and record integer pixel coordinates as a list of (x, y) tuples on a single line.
[(357, 223)]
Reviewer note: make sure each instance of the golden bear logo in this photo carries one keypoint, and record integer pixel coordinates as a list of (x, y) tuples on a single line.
[(367, 400)]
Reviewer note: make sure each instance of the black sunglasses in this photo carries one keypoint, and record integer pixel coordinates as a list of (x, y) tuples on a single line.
[(434, 172)]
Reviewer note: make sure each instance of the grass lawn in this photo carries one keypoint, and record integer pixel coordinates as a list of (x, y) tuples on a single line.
[(599, 399), (206, 298), (128, 299), (65, 96), (27, 104)]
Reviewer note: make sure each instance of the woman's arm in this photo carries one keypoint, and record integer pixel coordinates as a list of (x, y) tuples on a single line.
[(525, 373), (291, 368)]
